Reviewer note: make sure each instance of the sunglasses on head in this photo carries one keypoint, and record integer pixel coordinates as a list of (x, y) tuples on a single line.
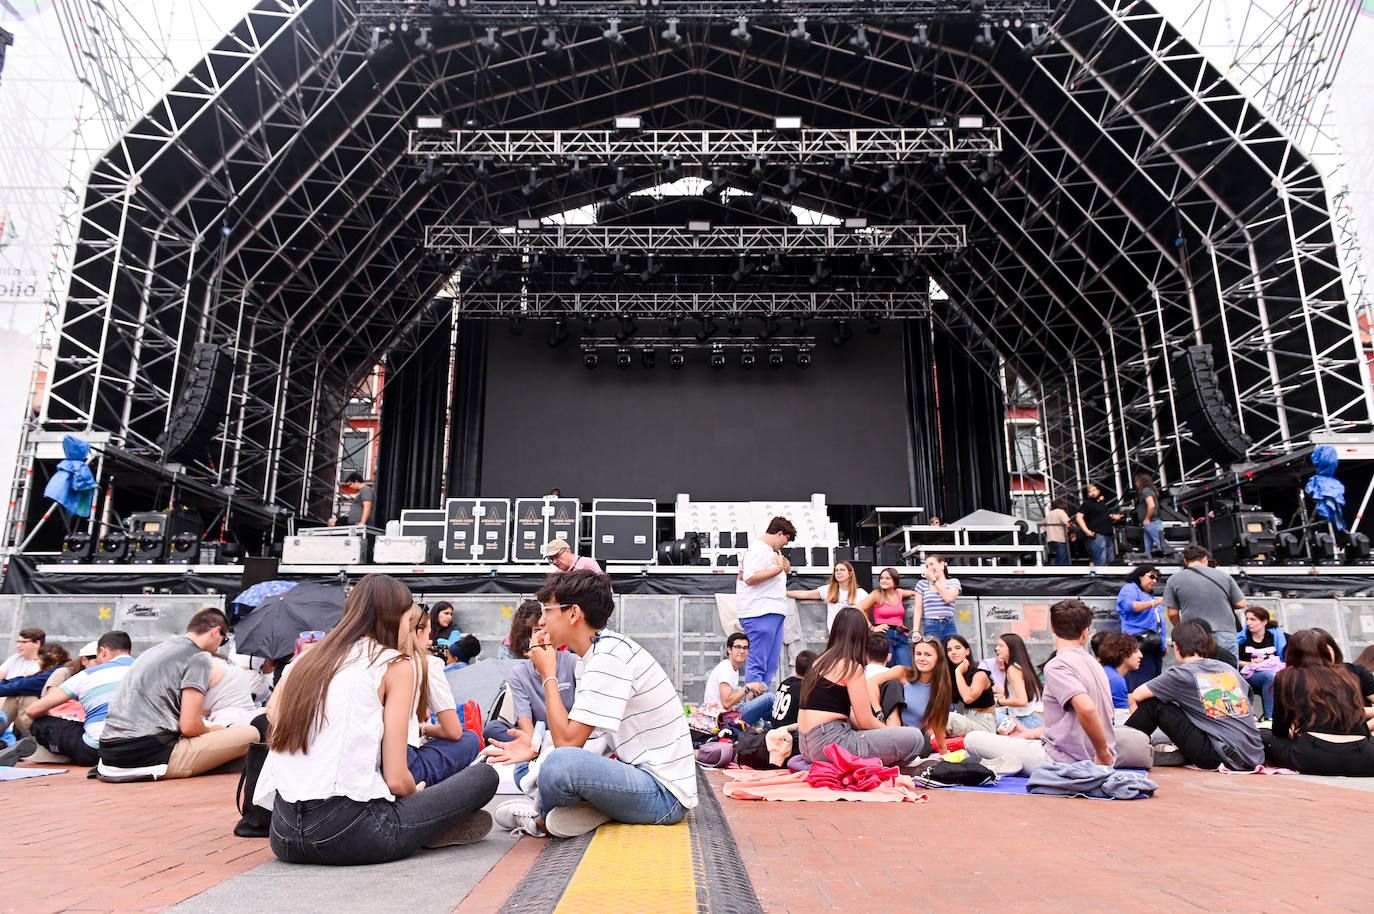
[(926, 639), (311, 636)]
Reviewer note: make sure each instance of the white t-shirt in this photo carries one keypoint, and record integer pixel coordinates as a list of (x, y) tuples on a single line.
[(624, 693), (765, 597), (15, 665), (724, 672), (833, 609), (234, 689)]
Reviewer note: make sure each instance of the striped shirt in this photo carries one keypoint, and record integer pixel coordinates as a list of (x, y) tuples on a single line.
[(94, 688), (933, 606), (624, 693)]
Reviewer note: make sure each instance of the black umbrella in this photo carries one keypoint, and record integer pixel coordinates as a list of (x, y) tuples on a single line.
[(271, 630)]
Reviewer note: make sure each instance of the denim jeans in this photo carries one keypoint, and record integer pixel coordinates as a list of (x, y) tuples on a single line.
[(765, 647), (944, 629), (756, 710), (1153, 533), (899, 645), (1059, 553), (570, 775), (343, 832), (1102, 548), (1262, 681), (440, 759)]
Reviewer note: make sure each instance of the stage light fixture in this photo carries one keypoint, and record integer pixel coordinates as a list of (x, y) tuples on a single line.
[(845, 166), (612, 34), (377, 45), (771, 326), (821, 274), (775, 264), (921, 41), (804, 358), (991, 171), (747, 357), (517, 324), (1039, 41), (671, 35), (429, 122), (623, 358), (875, 324), (620, 187), (698, 225), (672, 167), (651, 269), (866, 265), (628, 327), (580, 275), (907, 272), (787, 122), (1357, 549), (775, 359), (480, 167), (628, 122), (801, 325), (858, 42), (533, 184), (717, 358), (676, 357), (715, 187), (423, 44), (577, 166), (675, 325), (618, 264), (843, 333), (589, 325), (589, 357), (893, 181), (709, 327), (756, 170), (794, 182), (742, 269), (647, 357), (939, 166), (740, 33), (491, 44), (736, 326), (970, 122), (983, 42), (432, 171), (551, 44), (559, 334), (800, 35)]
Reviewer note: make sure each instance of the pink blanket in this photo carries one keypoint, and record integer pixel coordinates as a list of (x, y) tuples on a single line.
[(744, 784)]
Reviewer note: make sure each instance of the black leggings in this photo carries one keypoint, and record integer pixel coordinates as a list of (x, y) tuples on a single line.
[(1197, 747), (1314, 755)]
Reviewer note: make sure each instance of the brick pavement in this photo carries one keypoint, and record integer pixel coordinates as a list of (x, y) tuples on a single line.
[(1206, 842)]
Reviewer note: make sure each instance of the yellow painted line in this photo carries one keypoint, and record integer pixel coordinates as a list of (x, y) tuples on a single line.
[(633, 869)]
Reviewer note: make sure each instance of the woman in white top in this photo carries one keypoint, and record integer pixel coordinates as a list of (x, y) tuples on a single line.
[(840, 591), (344, 795)]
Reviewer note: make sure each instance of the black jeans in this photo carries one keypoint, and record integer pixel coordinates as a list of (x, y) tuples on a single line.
[(1197, 747), (343, 832), (64, 737), (1314, 755)]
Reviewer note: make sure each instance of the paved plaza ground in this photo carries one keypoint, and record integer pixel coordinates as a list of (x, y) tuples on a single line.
[(1206, 842)]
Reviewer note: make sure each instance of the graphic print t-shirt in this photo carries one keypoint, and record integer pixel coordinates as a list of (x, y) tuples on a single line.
[(1217, 699)]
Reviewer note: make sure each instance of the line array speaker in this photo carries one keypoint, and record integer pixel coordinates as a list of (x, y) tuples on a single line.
[(204, 401), (1202, 406)]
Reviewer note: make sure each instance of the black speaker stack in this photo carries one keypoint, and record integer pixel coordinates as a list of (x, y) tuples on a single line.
[(1203, 408), (203, 403)]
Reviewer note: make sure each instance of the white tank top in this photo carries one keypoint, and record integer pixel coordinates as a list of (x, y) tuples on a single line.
[(344, 758)]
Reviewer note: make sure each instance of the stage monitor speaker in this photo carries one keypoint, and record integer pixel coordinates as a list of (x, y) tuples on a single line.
[(203, 402), (796, 555), (889, 555), (741, 539), (865, 554), (820, 556), (1203, 408), (863, 575)]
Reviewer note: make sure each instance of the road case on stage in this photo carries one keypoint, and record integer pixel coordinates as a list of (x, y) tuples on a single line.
[(351, 548), (539, 520), (623, 530), (404, 550), (426, 522), (477, 530)]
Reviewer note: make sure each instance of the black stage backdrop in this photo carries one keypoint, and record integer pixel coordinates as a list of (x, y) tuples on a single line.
[(732, 435)]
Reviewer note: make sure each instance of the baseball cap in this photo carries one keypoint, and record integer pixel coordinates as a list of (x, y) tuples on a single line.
[(89, 649), (553, 547)]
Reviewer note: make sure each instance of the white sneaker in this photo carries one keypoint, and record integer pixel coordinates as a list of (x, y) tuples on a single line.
[(519, 817), (571, 821)]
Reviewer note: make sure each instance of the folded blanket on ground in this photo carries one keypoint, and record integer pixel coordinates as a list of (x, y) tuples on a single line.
[(1087, 779), (843, 770), (744, 784)]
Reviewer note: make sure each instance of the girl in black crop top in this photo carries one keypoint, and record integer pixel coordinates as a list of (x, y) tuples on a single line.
[(1320, 722), (835, 703)]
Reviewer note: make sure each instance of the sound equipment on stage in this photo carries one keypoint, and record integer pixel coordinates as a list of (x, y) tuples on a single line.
[(741, 539), (623, 529), (725, 561), (350, 546), (76, 548), (1357, 549), (865, 554), (477, 530), (1242, 537), (796, 555), (725, 540), (151, 533), (820, 556), (426, 522), (404, 550), (112, 548), (889, 555), (685, 551), (257, 569), (844, 553), (204, 401), (542, 520), (1204, 409)]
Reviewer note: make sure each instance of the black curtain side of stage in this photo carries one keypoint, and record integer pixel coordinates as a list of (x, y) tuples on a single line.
[(956, 415), (469, 409)]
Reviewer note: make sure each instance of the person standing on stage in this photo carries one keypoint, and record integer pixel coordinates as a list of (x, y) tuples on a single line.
[(1056, 527), (1095, 519), (360, 512), (761, 598), (564, 559), (1147, 512)]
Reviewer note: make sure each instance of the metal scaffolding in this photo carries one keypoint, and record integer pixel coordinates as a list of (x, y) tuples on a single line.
[(277, 203)]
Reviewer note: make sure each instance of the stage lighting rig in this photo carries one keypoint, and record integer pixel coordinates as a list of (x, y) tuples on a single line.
[(491, 44), (771, 326), (907, 272), (736, 326), (671, 35), (377, 45), (991, 171), (672, 167), (893, 181), (580, 275), (718, 358), (517, 325), (939, 166), (613, 36), (1357, 549), (423, 44), (647, 357), (742, 270), (623, 358), (795, 180), (589, 357), (559, 334), (858, 42), (983, 42), (740, 33), (747, 357), (433, 172), (921, 41), (709, 327), (676, 358), (620, 187), (756, 168), (800, 35), (628, 327), (775, 358), (843, 334), (716, 186), (1039, 41), (551, 44), (533, 184), (845, 167), (651, 269), (821, 273), (874, 324), (804, 358)]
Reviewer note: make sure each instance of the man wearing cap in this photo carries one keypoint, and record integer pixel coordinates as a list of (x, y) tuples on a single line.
[(564, 559), (93, 687)]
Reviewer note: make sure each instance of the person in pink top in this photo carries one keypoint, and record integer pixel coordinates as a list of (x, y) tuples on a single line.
[(887, 612), (564, 559)]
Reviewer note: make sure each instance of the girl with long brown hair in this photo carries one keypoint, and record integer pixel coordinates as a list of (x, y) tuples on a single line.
[(840, 590), (835, 687), (1319, 715), (928, 689), (344, 705)]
